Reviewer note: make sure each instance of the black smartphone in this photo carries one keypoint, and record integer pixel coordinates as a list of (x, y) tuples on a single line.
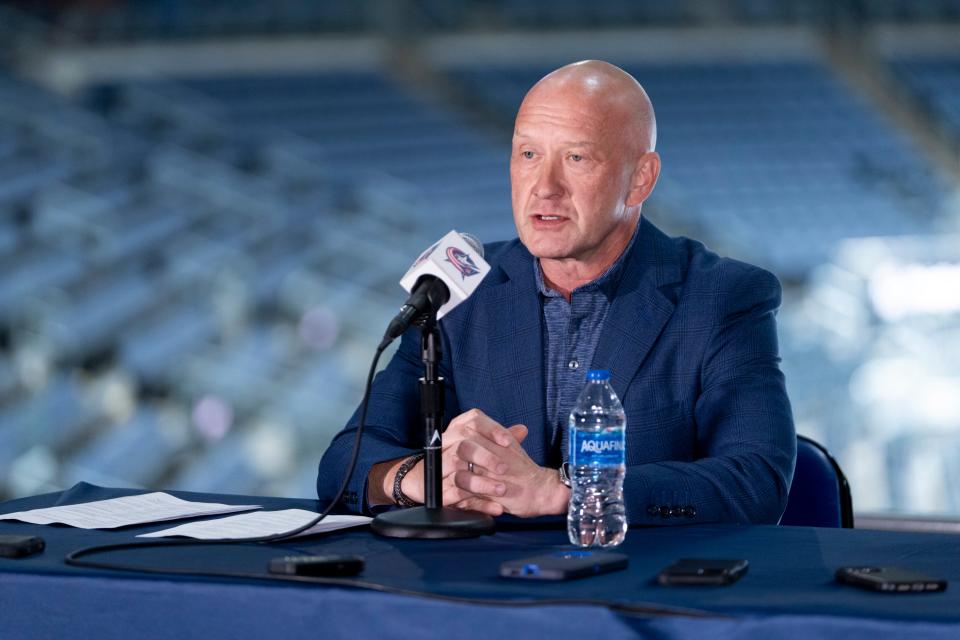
[(703, 571), (326, 566), (564, 565), (14, 546), (890, 579)]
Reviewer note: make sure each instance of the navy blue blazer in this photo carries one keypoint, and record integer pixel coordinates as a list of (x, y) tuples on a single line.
[(691, 343)]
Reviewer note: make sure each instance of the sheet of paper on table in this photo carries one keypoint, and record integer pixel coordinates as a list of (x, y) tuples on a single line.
[(128, 510), (255, 525)]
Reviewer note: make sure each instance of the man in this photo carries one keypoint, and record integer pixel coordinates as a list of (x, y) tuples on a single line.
[(690, 339)]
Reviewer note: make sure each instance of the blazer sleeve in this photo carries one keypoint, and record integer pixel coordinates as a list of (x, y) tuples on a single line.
[(393, 428), (746, 440)]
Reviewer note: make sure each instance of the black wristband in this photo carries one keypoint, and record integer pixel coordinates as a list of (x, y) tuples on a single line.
[(398, 495)]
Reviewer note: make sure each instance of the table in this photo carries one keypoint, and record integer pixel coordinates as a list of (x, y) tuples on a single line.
[(450, 589)]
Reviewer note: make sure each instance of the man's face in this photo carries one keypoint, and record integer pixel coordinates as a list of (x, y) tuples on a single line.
[(570, 173)]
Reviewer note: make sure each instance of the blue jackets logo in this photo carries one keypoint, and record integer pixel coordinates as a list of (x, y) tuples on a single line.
[(462, 262)]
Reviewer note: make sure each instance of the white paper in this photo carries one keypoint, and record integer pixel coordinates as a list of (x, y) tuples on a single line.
[(256, 525), (128, 510)]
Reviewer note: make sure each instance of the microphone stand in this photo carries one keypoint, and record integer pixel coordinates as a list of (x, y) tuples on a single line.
[(432, 520)]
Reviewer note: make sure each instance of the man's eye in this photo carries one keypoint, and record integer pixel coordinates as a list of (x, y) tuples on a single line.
[(527, 154), (576, 157)]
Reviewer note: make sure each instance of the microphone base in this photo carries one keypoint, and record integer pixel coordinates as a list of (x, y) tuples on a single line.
[(421, 522)]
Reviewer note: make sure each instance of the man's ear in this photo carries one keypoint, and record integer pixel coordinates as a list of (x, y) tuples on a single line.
[(644, 178)]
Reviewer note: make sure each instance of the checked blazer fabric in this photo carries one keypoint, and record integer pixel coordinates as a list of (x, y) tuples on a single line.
[(691, 343)]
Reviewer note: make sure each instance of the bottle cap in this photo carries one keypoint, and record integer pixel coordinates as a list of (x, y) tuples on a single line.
[(598, 374)]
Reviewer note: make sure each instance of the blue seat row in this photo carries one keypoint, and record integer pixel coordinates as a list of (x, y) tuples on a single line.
[(935, 81), (762, 150)]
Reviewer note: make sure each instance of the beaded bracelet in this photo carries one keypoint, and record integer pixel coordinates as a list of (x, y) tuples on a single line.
[(398, 495)]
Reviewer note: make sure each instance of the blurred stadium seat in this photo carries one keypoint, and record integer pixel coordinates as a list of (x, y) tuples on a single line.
[(936, 82), (754, 151), (197, 265)]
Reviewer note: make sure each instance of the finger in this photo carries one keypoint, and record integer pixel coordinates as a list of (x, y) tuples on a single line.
[(483, 458), (451, 462), (463, 425), (465, 422), (452, 494), (474, 503), (479, 422), (463, 465), (493, 431), (504, 437), (519, 432), (461, 499), (480, 485), (450, 437)]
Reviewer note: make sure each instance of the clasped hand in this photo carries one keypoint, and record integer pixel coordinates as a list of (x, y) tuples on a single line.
[(503, 478)]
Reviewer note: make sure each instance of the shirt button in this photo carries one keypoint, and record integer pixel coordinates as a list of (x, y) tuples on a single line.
[(573, 365)]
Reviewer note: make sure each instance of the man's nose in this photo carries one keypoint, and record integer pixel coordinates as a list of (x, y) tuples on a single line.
[(549, 182)]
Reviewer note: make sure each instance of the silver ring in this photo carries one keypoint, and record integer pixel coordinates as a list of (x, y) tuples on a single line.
[(470, 467)]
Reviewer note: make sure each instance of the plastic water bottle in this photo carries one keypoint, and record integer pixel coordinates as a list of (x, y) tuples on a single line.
[(597, 516)]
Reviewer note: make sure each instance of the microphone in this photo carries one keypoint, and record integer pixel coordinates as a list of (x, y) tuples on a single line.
[(441, 278)]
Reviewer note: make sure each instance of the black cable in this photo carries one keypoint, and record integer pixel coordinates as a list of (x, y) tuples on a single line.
[(77, 558), (637, 608), (73, 558)]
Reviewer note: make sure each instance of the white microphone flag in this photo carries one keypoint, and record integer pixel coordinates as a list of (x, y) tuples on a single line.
[(453, 260)]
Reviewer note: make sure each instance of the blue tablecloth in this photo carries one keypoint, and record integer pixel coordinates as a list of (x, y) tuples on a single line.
[(788, 592)]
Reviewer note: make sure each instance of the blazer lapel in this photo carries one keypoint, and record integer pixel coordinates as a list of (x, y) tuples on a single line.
[(641, 308), (515, 349)]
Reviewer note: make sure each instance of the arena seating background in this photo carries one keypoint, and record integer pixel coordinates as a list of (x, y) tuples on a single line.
[(196, 264)]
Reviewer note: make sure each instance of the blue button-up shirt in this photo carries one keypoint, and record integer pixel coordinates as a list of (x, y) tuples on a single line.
[(571, 333)]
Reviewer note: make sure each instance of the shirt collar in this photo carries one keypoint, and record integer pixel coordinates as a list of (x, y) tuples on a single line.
[(606, 283)]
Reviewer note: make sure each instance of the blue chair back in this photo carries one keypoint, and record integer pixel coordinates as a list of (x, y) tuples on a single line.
[(820, 494)]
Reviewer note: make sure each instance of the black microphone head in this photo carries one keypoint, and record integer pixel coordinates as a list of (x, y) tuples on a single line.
[(473, 241)]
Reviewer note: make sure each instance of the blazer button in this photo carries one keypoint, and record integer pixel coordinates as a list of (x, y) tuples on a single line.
[(676, 512), (690, 511), (664, 511), (652, 510)]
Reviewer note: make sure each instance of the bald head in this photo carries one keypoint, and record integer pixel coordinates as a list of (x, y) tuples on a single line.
[(581, 166), (605, 90)]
